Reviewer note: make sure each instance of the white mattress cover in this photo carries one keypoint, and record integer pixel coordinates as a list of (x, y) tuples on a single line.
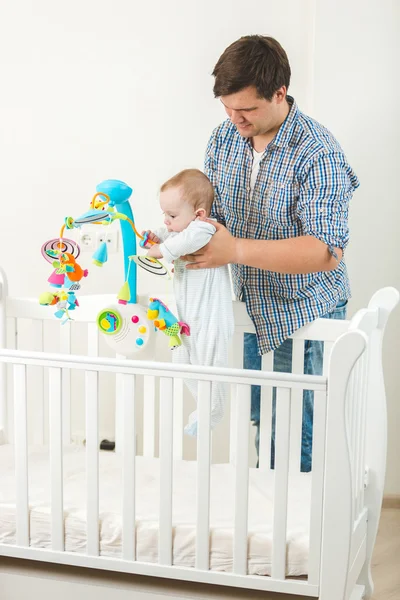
[(261, 492)]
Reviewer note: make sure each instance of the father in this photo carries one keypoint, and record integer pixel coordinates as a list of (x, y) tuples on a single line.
[(282, 191)]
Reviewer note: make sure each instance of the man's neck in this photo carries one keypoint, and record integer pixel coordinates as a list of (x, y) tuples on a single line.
[(260, 142)]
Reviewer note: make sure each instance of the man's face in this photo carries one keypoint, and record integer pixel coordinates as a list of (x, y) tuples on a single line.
[(252, 115)]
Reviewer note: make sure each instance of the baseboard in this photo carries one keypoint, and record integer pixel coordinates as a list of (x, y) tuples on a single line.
[(391, 501)]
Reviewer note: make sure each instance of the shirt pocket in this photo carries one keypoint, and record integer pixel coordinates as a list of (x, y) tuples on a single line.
[(279, 203)]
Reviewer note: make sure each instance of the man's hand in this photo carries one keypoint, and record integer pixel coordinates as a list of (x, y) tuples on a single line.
[(221, 250)]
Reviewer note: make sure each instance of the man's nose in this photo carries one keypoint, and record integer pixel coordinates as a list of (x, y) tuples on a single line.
[(236, 117)]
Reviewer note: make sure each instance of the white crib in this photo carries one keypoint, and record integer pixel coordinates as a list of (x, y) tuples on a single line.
[(200, 522)]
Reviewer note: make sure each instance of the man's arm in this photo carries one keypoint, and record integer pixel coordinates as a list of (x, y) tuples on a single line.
[(294, 256), (210, 170), (303, 254), (326, 188)]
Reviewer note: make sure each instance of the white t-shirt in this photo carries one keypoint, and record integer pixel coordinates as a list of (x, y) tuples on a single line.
[(255, 168)]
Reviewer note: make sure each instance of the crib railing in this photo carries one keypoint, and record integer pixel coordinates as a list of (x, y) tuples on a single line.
[(348, 395), (33, 327), (129, 372), (27, 327), (165, 405)]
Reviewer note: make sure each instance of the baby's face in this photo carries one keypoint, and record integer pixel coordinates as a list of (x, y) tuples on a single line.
[(177, 212)]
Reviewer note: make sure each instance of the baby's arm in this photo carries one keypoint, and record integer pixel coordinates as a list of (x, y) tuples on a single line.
[(195, 236), (154, 251)]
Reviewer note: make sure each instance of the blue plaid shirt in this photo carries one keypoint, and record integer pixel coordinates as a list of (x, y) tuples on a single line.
[(304, 186)]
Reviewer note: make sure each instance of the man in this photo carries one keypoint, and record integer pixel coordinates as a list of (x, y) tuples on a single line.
[(282, 191)]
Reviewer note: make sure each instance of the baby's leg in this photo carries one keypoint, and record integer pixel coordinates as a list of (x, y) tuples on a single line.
[(210, 352), (181, 355)]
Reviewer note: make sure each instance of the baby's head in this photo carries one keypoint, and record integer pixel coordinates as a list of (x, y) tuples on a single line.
[(184, 197)]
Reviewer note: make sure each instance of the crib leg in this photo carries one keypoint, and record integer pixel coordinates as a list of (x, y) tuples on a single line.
[(365, 579), (359, 592)]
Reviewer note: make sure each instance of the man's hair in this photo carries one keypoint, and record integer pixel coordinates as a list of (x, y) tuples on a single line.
[(196, 188), (253, 60)]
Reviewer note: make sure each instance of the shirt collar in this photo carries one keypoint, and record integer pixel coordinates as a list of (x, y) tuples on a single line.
[(286, 130)]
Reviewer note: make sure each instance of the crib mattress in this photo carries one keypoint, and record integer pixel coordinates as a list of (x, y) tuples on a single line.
[(261, 490)]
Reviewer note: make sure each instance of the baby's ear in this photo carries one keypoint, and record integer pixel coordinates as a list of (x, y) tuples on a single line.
[(201, 213)]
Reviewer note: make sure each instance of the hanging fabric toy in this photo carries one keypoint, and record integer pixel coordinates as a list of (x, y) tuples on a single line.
[(165, 321)]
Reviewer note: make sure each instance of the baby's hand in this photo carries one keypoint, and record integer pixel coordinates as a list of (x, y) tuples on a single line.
[(150, 237)]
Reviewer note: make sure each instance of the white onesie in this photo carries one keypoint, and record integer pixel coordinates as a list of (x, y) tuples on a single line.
[(204, 302)]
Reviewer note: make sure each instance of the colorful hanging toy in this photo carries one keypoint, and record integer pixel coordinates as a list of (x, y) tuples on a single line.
[(166, 322), (67, 274), (127, 326)]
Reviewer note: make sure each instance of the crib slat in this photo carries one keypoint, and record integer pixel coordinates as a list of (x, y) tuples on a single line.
[(3, 390), (264, 458), (129, 510), (237, 352), (242, 479), (356, 430), (21, 455), (92, 462), (38, 377), (119, 411), (360, 383), (56, 460), (296, 408), (93, 339), (232, 424), (327, 356), (178, 418), (351, 400), (317, 483), (3, 366), (65, 348), (149, 411), (12, 342), (92, 446), (166, 435), (363, 427), (282, 433), (203, 474)]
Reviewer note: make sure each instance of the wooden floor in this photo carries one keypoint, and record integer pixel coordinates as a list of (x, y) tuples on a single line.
[(386, 561)]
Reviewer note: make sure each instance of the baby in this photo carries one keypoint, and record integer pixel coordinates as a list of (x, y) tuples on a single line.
[(203, 296)]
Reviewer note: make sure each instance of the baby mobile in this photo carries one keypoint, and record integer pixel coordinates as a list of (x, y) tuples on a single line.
[(127, 325)]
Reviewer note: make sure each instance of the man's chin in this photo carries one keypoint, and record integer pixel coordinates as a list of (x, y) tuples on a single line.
[(246, 132)]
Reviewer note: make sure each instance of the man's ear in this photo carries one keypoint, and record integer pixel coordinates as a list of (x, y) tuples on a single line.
[(280, 94)]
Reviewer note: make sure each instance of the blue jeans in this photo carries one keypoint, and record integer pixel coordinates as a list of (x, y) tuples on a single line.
[(313, 362)]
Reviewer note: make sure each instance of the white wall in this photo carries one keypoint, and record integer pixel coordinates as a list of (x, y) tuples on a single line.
[(95, 90), (356, 95)]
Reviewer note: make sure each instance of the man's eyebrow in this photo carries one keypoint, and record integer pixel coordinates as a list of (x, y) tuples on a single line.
[(237, 109)]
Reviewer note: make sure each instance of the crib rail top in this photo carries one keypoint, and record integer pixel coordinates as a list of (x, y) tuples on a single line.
[(164, 369)]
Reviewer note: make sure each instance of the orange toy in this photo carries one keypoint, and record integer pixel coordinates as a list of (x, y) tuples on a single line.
[(78, 273)]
